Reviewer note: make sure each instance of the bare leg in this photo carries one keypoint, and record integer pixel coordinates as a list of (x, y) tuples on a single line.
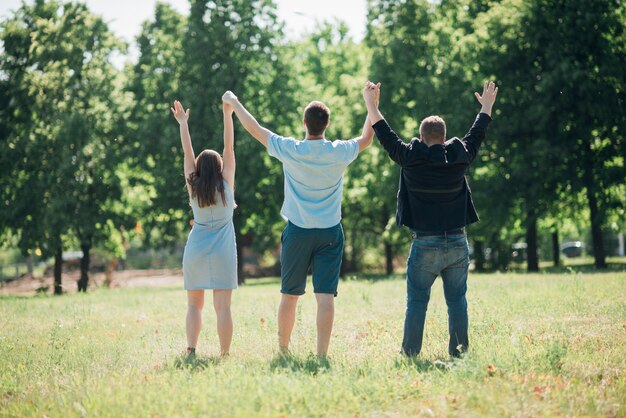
[(286, 320), (195, 301), (325, 316), (221, 303)]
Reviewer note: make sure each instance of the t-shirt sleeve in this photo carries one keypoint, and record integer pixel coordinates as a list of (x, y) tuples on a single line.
[(349, 150), (276, 146)]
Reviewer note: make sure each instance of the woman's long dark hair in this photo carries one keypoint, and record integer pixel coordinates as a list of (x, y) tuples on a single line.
[(207, 181)]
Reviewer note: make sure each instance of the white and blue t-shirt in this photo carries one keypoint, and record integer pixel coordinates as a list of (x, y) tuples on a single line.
[(313, 178)]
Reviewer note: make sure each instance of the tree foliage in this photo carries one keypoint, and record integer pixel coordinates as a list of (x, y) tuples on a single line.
[(89, 153), (62, 106)]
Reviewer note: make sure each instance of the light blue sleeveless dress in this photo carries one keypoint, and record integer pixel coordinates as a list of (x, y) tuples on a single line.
[(210, 256)]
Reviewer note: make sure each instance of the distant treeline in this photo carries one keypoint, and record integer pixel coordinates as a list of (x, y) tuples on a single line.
[(90, 156)]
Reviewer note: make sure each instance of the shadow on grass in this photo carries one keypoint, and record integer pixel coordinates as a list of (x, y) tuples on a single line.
[(311, 364), (24, 296), (196, 363), (422, 365)]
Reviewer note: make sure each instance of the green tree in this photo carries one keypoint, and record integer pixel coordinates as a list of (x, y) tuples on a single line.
[(153, 146), (586, 76), (24, 179), (57, 58), (556, 138)]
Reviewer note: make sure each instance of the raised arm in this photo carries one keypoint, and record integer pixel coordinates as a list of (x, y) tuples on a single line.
[(189, 159), (367, 135), (248, 121), (397, 149), (371, 95), (490, 91), (474, 138), (228, 171)]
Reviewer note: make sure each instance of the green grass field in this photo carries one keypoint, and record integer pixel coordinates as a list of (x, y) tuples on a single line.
[(541, 345)]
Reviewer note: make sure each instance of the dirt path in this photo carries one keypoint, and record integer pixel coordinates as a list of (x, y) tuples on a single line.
[(127, 278)]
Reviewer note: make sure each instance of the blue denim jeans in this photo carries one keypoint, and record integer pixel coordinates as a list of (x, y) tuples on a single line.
[(431, 256)]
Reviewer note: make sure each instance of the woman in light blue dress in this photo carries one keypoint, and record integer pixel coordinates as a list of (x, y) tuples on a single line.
[(210, 257)]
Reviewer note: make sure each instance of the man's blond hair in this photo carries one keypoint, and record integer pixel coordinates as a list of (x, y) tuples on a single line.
[(433, 130)]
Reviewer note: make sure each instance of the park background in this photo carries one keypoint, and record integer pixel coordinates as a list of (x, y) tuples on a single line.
[(91, 161), (92, 191)]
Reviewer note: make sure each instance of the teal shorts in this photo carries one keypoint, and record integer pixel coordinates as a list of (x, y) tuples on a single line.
[(321, 249)]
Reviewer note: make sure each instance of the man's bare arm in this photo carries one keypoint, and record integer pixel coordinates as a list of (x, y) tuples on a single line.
[(367, 136), (228, 170), (248, 121)]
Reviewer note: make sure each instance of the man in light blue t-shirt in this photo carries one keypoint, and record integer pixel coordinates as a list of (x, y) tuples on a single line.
[(313, 236)]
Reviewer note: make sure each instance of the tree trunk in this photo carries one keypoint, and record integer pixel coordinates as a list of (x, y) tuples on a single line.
[(344, 267), (594, 212), (388, 247), (389, 258), (354, 254), (240, 276), (479, 255), (108, 273), (500, 256), (29, 264), (58, 266), (556, 252), (531, 241), (596, 231), (84, 266)]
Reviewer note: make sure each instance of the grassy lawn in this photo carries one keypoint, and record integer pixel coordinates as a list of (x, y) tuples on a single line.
[(541, 345)]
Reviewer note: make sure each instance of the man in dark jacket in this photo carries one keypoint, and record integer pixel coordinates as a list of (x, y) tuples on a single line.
[(435, 203)]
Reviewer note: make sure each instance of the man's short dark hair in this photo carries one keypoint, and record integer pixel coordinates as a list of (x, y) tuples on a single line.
[(316, 116), (433, 130)]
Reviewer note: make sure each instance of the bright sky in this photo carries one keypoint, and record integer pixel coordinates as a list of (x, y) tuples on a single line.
[(125, 16)]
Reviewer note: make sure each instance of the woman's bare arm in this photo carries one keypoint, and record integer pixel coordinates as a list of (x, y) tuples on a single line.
[(181, 115), (229, 146)]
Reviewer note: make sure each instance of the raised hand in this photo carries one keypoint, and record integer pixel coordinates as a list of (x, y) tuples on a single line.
[(248, 121), (371, 93), (490, 91), (178, 112), (229, 98)]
